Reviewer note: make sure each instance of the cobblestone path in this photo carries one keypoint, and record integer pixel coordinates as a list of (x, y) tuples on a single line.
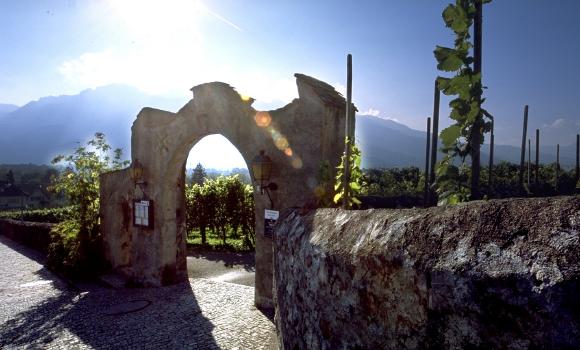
[(39, 310)]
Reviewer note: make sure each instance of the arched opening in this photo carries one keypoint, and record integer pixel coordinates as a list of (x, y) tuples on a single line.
[(219, 213)]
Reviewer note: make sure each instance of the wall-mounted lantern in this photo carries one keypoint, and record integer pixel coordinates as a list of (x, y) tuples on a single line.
[(137, 173), (262, 169)]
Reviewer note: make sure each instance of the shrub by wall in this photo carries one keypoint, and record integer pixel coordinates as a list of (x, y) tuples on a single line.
[(52, 215), (35, 235)]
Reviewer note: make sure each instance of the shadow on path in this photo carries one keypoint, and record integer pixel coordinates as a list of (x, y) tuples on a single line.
[(56, 315), (32, 254)]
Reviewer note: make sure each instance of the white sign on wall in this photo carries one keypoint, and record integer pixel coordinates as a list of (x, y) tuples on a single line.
[(143, 213), (270, 219)]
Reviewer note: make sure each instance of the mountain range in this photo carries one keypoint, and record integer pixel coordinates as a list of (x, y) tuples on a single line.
[(42, 129), (39, 130), (385, 143)]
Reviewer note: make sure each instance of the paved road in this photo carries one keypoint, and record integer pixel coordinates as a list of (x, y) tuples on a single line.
[(236, 268), (39, 310)]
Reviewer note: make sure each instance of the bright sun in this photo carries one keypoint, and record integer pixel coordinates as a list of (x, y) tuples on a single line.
[(159, 21)]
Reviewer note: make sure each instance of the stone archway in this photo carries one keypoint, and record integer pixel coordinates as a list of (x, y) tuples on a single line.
[(299, 138)]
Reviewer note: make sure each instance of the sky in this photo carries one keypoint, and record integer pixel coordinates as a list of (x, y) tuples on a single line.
[(531, 53)]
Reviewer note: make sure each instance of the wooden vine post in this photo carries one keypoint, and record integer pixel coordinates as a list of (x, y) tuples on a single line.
[(476, 132), (537, 156), (347, 148), (426, 195), (464, 137), (529, 160), (434, 145), (523, 150), (491, 145), (557, 167), (577, 157)]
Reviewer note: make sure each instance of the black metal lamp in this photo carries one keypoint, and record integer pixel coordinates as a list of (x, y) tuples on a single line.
[(137, 173), (262, 169)]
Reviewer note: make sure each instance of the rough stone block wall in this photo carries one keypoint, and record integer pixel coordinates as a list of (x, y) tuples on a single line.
[(35, 235), (489, 274)]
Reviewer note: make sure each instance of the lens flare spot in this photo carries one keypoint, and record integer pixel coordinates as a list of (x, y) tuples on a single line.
[(281, 143), (288, 152), (263, 119), (296, 162), (245, 98)]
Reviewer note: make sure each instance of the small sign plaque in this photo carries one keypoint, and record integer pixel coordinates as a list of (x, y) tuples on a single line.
[(270, 219), (143, 213)]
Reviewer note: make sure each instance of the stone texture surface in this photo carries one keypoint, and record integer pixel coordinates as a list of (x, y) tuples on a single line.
[(38, 310), (489, 274), (299, 138)]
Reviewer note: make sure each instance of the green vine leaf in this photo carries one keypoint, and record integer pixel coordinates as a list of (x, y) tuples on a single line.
[(450, 134), (449, 59), (456, 19), (354, 186)]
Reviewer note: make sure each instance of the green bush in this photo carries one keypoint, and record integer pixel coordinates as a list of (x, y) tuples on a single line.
[(76, 243), (74, 257), (50, 215), (63, 251)]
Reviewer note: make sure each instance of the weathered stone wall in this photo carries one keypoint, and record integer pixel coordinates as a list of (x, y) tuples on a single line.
[(35, 235), (489, 274)]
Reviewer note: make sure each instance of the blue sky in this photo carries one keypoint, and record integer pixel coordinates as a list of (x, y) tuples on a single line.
[(530, 56)]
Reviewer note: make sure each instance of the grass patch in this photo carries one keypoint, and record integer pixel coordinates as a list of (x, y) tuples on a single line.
[(215, 243)]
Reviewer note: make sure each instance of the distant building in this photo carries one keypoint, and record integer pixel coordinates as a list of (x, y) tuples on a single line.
[(12, 197), (38, 196)]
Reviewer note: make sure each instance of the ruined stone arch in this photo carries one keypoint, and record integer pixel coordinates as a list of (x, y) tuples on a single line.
[(299, 138)]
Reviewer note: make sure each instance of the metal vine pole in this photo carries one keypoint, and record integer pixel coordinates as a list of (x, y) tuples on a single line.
[(347, 148), (436, 98), (523, 155), (426, 197), (537, 156)]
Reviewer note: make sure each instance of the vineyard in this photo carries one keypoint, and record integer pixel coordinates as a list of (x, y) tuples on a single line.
[(220, 210), (405, 187)]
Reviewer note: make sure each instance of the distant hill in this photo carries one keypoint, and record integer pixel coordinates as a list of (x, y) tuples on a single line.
[(24, 173), (39, 130), (7, 108), (386, 144)]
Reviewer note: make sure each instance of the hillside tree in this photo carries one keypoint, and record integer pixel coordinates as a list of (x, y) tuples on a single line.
[(198, 176), (10, 177)]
